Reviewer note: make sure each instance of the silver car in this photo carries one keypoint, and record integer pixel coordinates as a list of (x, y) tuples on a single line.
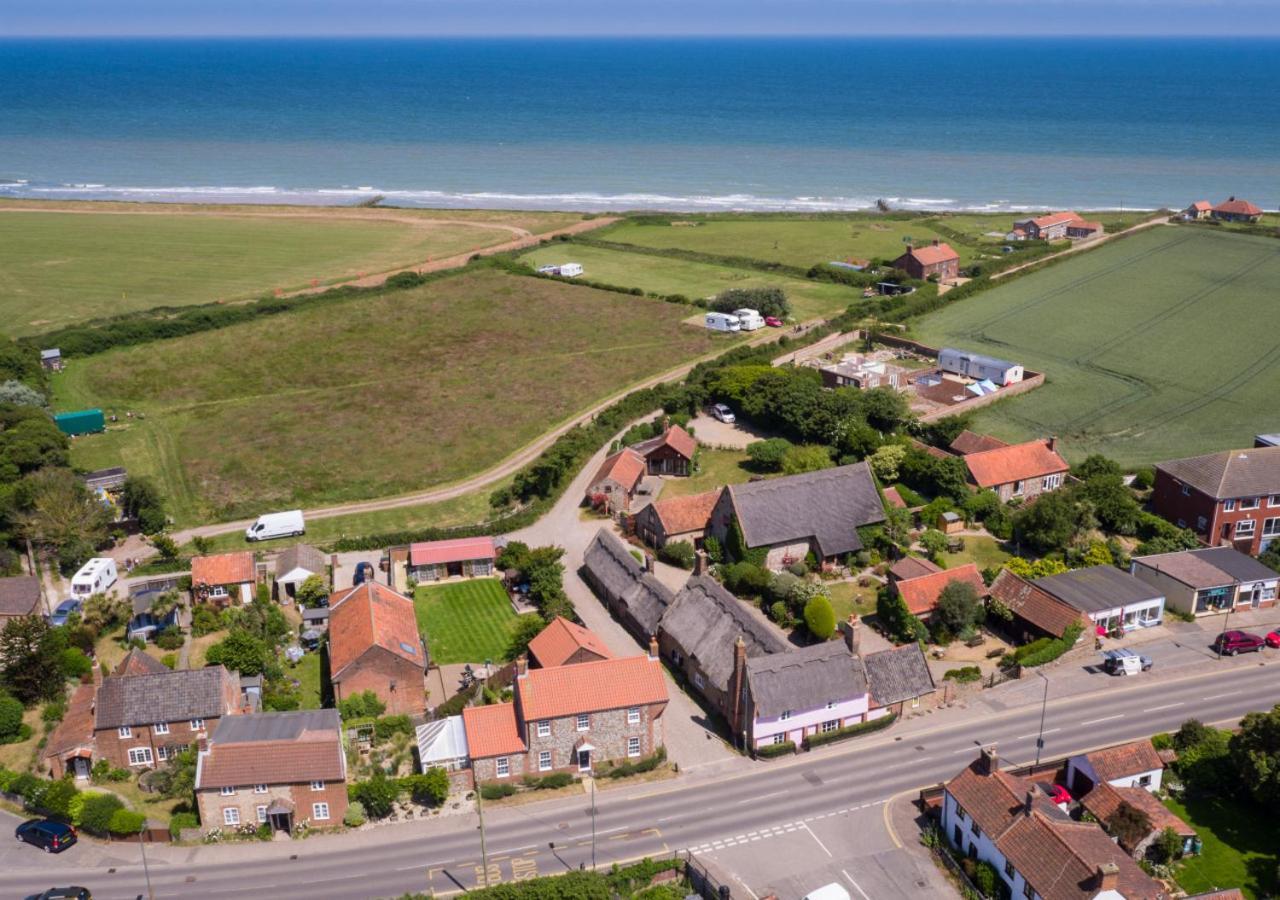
[(723, 413)]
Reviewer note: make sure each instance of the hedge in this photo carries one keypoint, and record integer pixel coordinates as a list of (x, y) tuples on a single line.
[(963, 674), (1054, 648), (714, 259), (548, 782), (769, 751), (496, 790), (648, 764), (179, 821), (840, 734)]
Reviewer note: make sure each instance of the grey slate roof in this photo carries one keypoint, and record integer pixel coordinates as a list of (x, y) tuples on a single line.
[(615, 570), (705, 620), (1208, 567), (19, 595), (1231, 473), (898, 674), (275, 726), (1097, 588), (165, 697), (805, 678), (300, 556), (827, 506)]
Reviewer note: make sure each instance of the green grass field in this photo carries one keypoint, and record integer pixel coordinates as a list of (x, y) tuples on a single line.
[(465, 621), (1156, 346), (809, 299), (369, 397), (716, 469), (85, 261), (1240, 848)]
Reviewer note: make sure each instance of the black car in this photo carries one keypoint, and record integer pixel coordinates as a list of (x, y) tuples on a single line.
[(66, 893), (48, 835)]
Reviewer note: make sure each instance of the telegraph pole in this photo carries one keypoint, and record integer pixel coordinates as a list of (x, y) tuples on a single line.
[(593, 822), (484, 854), (146, 873), (1043, 708)]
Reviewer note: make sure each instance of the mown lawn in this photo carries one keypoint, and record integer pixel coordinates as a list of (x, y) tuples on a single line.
[(847, 598), (809, 299), (716, 468), (1132, 337), (62, 267), (307, 674), (464, 621), (1240, 847), (374, 396), (985, 552)]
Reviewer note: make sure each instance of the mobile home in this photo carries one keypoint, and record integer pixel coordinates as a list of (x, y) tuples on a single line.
[(94, 577), (723, 322), (749, 319), (980, 367)]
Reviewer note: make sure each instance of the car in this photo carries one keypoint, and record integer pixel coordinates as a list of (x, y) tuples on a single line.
[(773, 321), (1230, 643), (723, 413), (1058, 794), (66, 893), (1273, 638), (48, 835), (64, 611), (1125, 662)]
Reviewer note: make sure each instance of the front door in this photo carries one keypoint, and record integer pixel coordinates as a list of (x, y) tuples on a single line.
[(454, 569), (584, 760), (80, 766), (280, 822)]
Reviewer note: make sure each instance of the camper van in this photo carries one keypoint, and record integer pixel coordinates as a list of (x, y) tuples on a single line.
[(94, 577), (276, 525), (749, 319), (723, 322)]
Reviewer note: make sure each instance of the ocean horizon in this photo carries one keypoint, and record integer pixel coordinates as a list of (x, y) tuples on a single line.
[(688, 124)]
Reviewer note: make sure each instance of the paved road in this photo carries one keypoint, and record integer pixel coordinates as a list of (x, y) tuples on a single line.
[(831, 785)]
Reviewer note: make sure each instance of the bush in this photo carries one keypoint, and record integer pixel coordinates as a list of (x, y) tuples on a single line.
[(431, 788), (963, 675), (126, 821), (985, 878), (56, 798), (820, 618), (181, 820), (769, 751), (848, 731), (767, 455), (354, 817), (170, 660), (362, 705), (1053, 649), (897, 621), (26, 786), (746, 578), (387, 726), (677, 553), (781, 613), (170, 639), (496, 790), (648, 764), (204, 621), (97, 812), (11, 711), (1162, 741), (549, 782), (377, 795), (75, 664)]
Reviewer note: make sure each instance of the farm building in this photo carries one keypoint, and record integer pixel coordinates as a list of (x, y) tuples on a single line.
[(979, 366), (295, 565), (51, 359), (85, 421), (1233, 210), (933, 260), (471, 557)]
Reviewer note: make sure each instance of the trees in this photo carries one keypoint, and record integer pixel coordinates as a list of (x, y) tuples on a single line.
[(63, 517), (886, 409), (10, 718), (142, 501), (1033, 569), (934, 543), (1129, 824), (1052, 522), (1103, 487), (768, 301), (886, 460), (1255, 755), (677, 553), (767, 455), (959, 607), (377, 795), (31, 659), (362, 705), (15, 393), (312, 592), (820, 618), (523, 630), (896, 619), (806, 458), (102, 612), (241, 652), (541, 569)]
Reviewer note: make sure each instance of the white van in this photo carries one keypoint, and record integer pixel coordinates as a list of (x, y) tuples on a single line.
[(276, 525), (94, 577), (717, 321), (749, 319), (832, 891)]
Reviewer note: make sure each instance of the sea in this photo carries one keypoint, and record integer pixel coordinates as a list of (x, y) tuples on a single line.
[(806, 124)]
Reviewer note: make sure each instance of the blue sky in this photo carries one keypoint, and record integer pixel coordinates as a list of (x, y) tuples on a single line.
[(638, 17)]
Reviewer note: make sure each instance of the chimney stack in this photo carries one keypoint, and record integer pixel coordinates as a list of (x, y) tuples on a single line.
[(653, 646), (1053, 442), (936, 242), (666, 424), (1107, 877), (852, 634), (1029, 801), (648, 563), (522, 665), (700, 564), (990, 760)]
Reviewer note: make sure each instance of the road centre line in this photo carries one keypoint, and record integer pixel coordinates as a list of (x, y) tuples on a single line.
[(1220, 696), (1166, 706), (1038, 734), (1104, 719)]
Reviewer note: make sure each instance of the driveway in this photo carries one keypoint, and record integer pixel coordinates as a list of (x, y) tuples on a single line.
[(713, 433)]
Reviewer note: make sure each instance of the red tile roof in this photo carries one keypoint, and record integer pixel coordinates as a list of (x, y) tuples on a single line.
[(1202, 206), (1104, 800), (556, 643), (1237, 208), (492, 730), (283, 755), (1082, 225), (455, 550), (1052, 219), (921, 593), (1018, 462), (626, 467), (139, 662), (932, 254), (223, 568), (677, 439), (76, 728), (367, 616), (684, 514), (1125, 760), (591, 687), (967, 442), (1033, 604)]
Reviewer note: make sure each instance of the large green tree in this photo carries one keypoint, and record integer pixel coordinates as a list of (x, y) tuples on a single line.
[(1052, 522), (63, 517), (959, 607), (31, 659), (1255, 754)]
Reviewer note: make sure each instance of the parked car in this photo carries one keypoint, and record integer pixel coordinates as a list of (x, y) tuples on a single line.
[(1058, 794), (48, 835), (1124, 662), (1232, 642), (773, 321), (64, 611), (723, 413), (1273, 638), (66, 893)]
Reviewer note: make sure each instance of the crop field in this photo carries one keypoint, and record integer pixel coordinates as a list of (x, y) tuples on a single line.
[(373, 396), (809, 299), (464, 621), (65, 263), (1158, 345)]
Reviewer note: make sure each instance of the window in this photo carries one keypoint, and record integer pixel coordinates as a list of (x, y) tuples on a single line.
[(160, 728), (140, 756), (124, 731), (218, 590), (1250, 502), (1228, 505), (830, 725), (584, 721), (197, 724), (544, 760), (262, 814), (164, 753), (1271, 527), (230, 815), (1273, 500), (1027, 890), (633, 716), (544, 729), (504, 766), (228, 790), (633, 746), (780, 738), (259, 788), (786, 714), (697, 680), (319, 811), (1144, 781), (1245, 528), (317, 785), (1201, 523), (915, 702), (977, 831), (1052, 481), (1010, 871), (1186, 491), (959, 812)]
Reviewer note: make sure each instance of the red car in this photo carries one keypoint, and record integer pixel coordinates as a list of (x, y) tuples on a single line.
[(1273, 638), (1229, 643), (773, 321)]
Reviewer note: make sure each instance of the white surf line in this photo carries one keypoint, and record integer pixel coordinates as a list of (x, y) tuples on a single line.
[(1166, 706), (820, 844), (1103, 719), (1024, 737), (857, 887)]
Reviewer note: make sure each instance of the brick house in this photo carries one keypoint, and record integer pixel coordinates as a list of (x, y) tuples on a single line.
[(921, 592), (565, 643), (1018, 471), (790, 517), (143, 720), (19, 596), (932, 260), (374, 645), (1201, 209), (280, 768), (570, 718), (223, 579), (616, 481), (1036, 612), (1208, 581), (1233, 210), (1231, 497), (671, 453), (1049, 227), (677, 519), (472, 557), (967, 442)]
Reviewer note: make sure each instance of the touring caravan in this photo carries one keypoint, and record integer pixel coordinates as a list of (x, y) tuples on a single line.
[(749, 319), (723, 322), (94, 577), (276, 525)]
